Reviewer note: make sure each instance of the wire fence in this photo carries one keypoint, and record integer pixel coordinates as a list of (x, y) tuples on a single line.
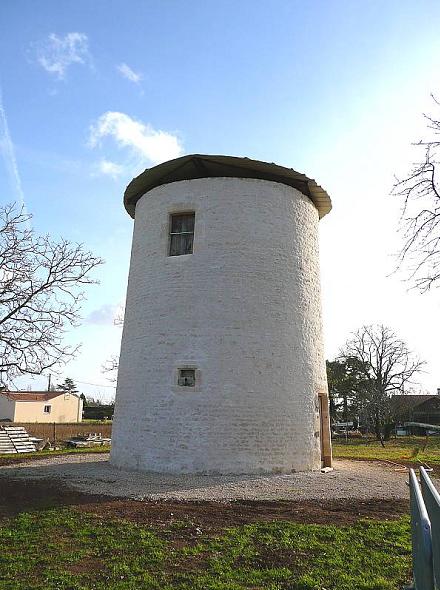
[(60, 432)]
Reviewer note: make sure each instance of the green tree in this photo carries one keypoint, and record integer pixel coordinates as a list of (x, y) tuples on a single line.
[(68, 385), (345, 381)]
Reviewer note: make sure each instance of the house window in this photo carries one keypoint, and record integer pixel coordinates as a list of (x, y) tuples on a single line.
[(181, 233), (47, 409), (187, 377)]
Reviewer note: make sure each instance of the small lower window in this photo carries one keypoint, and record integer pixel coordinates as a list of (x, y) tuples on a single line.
[(47, 409), (187, 377)]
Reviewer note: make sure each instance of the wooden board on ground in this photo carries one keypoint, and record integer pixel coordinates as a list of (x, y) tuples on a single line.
[(15, 439)]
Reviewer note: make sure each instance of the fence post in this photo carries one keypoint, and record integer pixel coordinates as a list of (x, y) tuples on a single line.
[(432, 502), (421, 537)]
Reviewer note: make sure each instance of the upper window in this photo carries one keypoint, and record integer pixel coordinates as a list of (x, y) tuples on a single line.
[(181, 233), (47, 409)]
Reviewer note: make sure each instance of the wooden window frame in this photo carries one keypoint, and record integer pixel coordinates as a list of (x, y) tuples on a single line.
[(172, 233)]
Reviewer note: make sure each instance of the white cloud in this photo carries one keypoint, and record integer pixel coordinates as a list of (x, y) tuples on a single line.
[(56, 54), (146, 144), (128, 73), (108, 168), (103, 316)]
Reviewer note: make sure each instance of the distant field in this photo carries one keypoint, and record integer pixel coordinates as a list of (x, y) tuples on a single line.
[(404, 449), (90, 421)]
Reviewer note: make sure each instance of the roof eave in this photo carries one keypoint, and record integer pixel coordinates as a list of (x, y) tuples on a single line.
[(208, 166)]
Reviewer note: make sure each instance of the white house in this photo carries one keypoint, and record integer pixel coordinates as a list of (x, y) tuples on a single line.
[(40, 406)]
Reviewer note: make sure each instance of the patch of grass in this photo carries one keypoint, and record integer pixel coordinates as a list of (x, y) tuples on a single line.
[(404, 449), (97, 422), (65, 549), (14, 458)]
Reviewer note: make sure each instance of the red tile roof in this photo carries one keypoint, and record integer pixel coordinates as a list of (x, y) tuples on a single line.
[(31, 396)]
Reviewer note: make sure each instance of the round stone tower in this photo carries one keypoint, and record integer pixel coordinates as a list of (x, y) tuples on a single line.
[(221, 367)]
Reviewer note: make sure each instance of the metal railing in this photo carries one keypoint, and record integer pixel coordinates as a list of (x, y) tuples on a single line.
[(432, 503), (425, 509)]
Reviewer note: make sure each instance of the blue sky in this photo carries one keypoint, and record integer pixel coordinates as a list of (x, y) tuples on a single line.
[(94, 92)]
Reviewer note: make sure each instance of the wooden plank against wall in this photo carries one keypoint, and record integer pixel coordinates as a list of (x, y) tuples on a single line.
[(326, 443)]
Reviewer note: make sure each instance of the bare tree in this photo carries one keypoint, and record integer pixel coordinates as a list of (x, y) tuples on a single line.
[(40, 295), (110, 368), (420, 219), (387, 367), (111, 365)]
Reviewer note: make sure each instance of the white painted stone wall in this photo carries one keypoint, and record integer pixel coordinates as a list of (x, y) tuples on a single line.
[(244, 309)]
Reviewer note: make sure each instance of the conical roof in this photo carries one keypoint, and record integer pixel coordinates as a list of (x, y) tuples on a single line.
[(209, 166)]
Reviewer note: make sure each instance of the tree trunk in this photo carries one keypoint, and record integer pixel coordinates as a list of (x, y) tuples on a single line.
[(332, 408), (388, 429), (377, 428)]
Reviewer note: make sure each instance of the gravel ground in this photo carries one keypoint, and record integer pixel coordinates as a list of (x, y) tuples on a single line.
[(93, 474)]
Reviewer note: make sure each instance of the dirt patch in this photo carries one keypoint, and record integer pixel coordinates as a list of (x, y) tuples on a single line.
[(219, 515), (279, 558), (184, 518), (396, 464), (24, 495), (184, 523), (87, 565)]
